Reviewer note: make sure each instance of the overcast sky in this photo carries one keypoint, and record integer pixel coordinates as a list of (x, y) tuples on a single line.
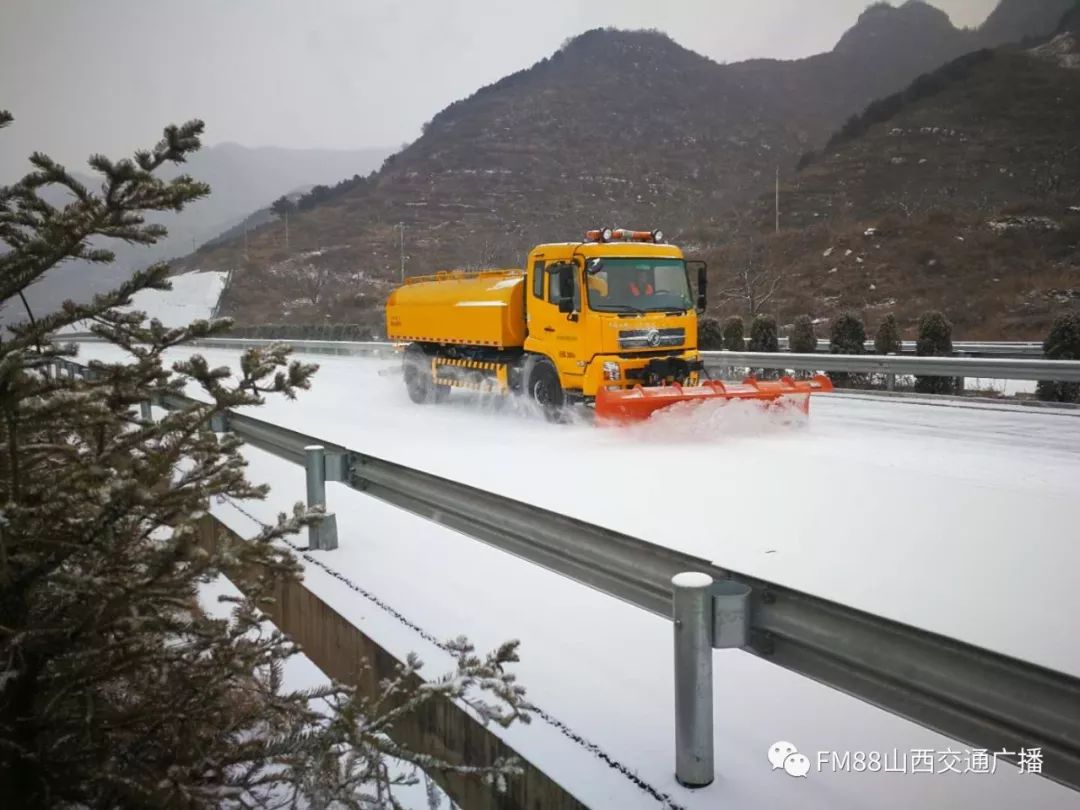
[(106, 75)]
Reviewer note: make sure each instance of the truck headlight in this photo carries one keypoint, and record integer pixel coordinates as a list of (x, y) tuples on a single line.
[(612, 371)]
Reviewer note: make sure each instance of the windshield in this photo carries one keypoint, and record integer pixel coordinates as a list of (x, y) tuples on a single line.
[(638, 285)]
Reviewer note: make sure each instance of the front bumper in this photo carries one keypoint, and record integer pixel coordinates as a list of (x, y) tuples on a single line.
[(646, 370)]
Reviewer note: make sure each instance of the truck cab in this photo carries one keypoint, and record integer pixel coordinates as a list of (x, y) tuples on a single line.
[(615, 311)]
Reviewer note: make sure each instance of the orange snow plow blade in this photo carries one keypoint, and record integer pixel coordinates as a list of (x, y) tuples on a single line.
[(638, 404)]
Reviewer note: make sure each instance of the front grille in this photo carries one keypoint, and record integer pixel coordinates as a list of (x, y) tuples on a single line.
[(651, 338), (640, 355), (666, 369)]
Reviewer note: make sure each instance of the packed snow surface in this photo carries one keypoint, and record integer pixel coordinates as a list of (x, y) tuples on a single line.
[(958, 519)]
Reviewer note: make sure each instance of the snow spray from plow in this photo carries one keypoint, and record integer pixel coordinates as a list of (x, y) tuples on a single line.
[(639, 404)]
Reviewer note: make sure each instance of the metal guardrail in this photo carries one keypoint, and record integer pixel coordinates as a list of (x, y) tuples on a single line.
[(973, 695), (969, 348), (991, 368), (964, 348), (343, 347), (982, 367), (334, 347), (982, 349)]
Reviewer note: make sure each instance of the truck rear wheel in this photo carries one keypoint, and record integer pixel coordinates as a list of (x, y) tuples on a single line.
[(541, 384), (419, 383)]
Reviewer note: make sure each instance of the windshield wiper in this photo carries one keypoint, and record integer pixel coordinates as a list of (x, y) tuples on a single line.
[(626, 308)]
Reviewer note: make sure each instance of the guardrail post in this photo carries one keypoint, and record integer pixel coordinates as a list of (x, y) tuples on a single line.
[(890, 378), (708, 615), (321, 535), (960, 380), (693, 615)]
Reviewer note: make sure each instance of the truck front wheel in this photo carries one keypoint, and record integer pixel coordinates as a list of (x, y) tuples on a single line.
[(541, 384)]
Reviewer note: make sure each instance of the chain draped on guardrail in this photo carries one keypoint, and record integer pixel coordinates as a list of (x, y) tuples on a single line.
[(967, 693)]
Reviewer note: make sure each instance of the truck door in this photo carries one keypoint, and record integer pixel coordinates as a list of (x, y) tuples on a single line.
[(559, 334)]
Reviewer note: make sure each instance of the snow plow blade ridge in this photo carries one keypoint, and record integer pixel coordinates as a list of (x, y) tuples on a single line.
[(638, 404)]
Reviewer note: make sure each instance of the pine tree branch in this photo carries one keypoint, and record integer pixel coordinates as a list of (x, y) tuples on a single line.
[(42, 235), (135, 695)]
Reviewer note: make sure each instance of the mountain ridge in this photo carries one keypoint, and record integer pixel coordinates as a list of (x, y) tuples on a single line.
[(958, 193), (620, 128)]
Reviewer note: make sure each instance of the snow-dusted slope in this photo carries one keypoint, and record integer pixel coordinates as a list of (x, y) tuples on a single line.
[(193, 296)]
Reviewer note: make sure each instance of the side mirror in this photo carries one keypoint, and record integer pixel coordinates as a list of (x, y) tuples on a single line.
[(702, 284), (566, 289)]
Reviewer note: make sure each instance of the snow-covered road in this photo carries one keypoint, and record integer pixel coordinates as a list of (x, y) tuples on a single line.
[(957, 519)]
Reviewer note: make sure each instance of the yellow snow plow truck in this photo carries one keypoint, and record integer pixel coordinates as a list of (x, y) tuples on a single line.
[(610, 322)]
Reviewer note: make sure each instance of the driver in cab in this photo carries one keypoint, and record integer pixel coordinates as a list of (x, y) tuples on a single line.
[(640, 287)]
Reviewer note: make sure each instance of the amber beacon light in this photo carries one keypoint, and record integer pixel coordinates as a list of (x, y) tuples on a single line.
[(623, 235)]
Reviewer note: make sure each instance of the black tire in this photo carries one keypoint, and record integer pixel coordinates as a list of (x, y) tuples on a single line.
[(418, 381), (541, 384)]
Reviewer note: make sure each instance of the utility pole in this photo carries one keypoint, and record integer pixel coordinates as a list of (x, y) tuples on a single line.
[(401, 226), (286, 231), (778, 199)]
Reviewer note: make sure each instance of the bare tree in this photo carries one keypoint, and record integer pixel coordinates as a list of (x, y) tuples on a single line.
[(313, 281), (754, 284)]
